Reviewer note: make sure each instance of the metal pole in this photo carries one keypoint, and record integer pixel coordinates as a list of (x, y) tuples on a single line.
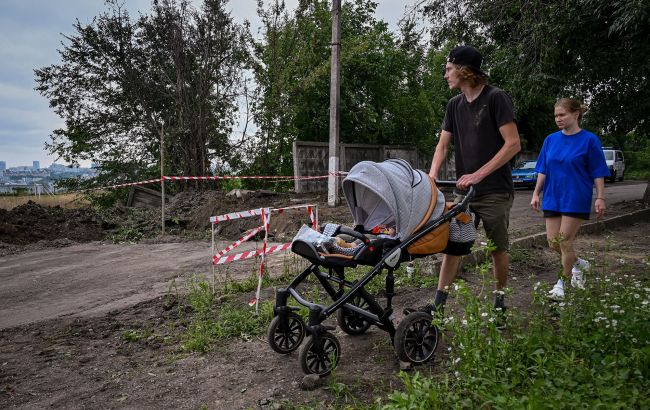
[(335, 99), (162, 179)]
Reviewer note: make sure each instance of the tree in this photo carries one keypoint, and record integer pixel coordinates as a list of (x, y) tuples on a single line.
[(392, 91), (593, 49), (120, 80)]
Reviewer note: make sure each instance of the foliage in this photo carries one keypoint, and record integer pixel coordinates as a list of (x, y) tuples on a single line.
[(211, 323), (391, 88), (591, 349), (539, 51), (122, 83)]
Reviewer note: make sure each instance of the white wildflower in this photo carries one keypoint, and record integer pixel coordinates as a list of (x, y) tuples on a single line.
[(484, 314)]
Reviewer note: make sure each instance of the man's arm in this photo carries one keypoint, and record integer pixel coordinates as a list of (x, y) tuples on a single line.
[(440, 154), (510, 148)]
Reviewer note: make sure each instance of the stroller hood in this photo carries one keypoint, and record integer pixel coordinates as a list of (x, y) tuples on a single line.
[(390, 193)]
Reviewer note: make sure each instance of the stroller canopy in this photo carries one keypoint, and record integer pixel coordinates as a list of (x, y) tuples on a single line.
[(390, 193)]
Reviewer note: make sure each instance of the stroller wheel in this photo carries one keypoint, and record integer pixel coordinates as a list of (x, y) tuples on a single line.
[(286, 339), (351, 322), (416, 338), (320, 361)]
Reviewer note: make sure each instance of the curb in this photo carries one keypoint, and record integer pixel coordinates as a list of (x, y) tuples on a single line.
[(539, 239)]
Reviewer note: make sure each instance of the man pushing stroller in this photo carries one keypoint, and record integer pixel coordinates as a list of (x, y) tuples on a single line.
[(480, 124)]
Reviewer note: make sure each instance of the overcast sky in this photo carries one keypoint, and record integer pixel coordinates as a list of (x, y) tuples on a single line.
[(30, 33)]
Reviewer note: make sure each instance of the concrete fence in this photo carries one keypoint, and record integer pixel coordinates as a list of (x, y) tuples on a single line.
[(312, 159)]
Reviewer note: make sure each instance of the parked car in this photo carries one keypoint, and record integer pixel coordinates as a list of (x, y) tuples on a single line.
[(524, 175), (615, 162)]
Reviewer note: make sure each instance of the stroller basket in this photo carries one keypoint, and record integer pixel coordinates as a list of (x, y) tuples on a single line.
[(408, 206)]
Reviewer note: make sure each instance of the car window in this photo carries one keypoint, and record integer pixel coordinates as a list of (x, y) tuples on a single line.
[(609, 155), (619, 156), (527, 165)]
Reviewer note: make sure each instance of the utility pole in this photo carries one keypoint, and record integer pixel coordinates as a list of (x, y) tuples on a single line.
[(335, 100), (162, 179)]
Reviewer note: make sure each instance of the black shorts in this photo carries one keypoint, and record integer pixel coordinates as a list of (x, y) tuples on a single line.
[(555, 214)]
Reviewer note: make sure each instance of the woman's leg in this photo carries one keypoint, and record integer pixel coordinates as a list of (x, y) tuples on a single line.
[(552, 231), (569, 227)]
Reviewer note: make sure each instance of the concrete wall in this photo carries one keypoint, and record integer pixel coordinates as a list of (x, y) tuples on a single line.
[(312, 158)]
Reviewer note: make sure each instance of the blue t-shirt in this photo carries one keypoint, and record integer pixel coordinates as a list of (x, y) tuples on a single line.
[(570, 163)]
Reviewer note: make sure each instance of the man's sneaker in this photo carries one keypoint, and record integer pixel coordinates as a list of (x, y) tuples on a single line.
[(557, 293)]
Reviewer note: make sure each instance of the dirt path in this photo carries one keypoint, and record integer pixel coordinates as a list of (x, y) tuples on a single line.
[(87, 363), (95, 278)]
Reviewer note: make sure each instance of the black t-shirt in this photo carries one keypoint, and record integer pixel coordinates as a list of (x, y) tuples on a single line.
[(475, 127)]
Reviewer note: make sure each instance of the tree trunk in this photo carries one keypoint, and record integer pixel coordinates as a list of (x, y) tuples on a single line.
[(646, 196)]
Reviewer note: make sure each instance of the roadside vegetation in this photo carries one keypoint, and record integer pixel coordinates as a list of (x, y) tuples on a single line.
[(592, 350)]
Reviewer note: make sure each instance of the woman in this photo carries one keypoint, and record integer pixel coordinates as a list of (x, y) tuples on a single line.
[(570, 163)]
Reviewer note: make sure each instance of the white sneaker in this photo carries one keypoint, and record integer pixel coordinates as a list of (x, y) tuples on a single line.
[(577, 279), (578, 273), (557, 293), (581, 265)]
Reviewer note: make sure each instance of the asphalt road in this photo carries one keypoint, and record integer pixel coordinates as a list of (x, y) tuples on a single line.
[(94, 278)]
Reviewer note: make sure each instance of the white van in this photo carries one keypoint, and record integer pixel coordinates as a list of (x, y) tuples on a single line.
[(615, 163)]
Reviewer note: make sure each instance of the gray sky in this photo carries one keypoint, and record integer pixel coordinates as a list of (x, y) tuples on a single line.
[(30, 33)]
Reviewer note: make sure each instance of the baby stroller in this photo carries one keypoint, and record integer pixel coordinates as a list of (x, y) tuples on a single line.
[(405, 203)]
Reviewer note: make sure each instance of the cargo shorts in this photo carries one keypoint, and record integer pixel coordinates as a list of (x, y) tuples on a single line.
[(494, 211)]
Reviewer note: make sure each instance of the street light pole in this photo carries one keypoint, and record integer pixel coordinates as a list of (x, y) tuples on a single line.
[(335, 99)]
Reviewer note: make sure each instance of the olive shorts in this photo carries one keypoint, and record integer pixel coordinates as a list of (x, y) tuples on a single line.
[(494, 211)]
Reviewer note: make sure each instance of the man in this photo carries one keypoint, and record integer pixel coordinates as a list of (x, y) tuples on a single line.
[(480, 123)]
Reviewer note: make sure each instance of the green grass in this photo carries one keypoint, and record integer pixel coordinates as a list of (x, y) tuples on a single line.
[(211, 323), (591, 351), (134, 335)]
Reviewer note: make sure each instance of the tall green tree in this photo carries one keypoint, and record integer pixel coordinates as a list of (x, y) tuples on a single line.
[(122, 82), (392, 91), (593, 49)]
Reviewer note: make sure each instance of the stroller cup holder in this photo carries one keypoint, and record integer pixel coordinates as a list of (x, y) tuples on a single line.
[(356, 310)]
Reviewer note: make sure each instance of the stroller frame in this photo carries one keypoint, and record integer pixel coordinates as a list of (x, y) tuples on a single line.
[(356, 309)]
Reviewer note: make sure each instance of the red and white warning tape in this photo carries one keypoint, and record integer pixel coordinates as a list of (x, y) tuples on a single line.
[(279, 178), (149, 181), (239, 241), (218, 177), (249, 254), (257, 212)]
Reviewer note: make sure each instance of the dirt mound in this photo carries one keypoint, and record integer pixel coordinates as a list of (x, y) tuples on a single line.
[(31, 223), (192, 210)]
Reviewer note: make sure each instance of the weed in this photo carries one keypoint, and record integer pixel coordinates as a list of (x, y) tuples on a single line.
[(134, 335), (592, 349), (126, 235)]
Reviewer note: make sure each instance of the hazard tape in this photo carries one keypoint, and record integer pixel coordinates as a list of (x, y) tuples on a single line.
[(239, 241), (249, 254), (149, 181), (257, 212), (218, 177)]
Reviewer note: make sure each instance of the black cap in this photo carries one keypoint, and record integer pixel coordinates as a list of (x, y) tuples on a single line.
[(467, 56)]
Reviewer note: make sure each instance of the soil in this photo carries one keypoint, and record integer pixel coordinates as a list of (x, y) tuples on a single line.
[(85, 361)]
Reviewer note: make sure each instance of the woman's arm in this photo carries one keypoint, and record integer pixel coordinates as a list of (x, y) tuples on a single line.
[(599, 202), (536, 203)]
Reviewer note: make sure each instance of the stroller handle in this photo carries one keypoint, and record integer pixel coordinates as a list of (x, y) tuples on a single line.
[(452, 184)]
